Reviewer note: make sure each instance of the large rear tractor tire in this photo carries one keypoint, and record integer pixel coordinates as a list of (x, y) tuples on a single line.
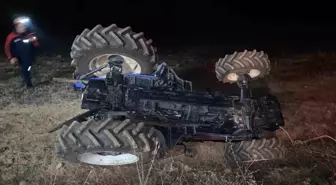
[(255, 64), (91, 49), (108, 142), (253, 151)]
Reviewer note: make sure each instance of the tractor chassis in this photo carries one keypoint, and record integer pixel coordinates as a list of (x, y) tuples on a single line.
[(178, 133)]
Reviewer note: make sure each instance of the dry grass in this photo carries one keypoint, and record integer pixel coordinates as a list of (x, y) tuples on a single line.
[(27, 153)]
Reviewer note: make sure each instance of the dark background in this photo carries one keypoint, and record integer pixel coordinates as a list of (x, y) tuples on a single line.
[(271, 26)]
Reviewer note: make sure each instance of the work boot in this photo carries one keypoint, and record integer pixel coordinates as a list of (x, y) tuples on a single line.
[(28, 86)]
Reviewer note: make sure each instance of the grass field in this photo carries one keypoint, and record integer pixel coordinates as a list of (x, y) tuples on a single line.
[(305, 85)]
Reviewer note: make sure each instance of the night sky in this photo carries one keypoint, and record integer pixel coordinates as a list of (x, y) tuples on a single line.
[(202, 22)]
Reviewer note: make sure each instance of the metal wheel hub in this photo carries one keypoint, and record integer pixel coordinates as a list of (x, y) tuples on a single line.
[(108, 158), (129, 65)]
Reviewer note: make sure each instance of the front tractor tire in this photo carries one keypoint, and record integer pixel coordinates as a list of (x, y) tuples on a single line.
[(91, 49), (236, 153), (108, 142), (253, 63)]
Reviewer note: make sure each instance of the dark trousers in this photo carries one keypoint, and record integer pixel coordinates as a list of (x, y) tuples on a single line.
[(25, 73)]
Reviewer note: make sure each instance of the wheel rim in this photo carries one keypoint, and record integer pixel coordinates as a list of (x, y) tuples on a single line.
[(108, 158), (253, 73), (129, 65)]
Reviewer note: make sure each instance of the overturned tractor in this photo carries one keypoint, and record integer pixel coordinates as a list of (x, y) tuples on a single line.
[(139, 108)]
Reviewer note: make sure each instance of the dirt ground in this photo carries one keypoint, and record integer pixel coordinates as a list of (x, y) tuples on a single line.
[(305, 85)]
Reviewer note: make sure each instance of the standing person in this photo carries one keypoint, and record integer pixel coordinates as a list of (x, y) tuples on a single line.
[(19, 47)]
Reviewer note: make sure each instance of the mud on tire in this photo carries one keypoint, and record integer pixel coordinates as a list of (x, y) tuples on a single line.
[(253, 151), (254, 63), (77, 142), (91, 48)]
